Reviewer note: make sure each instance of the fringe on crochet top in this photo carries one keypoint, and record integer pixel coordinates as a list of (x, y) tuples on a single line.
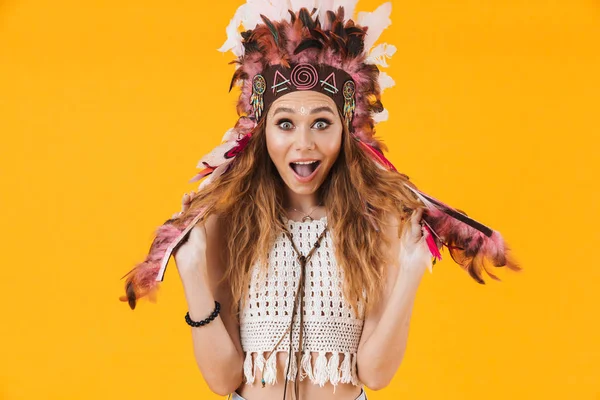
[(331, 328)]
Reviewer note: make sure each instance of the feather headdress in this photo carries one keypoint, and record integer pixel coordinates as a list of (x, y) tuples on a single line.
[(322, 43)]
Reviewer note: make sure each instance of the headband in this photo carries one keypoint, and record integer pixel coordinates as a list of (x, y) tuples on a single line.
[(278, 80)]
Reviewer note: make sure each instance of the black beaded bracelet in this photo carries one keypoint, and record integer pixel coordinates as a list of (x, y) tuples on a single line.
[(204, 321)]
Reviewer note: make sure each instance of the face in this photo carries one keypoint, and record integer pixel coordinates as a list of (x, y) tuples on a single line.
[(304, 136)]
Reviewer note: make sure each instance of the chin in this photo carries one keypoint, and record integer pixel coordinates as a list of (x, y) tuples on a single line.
[(303, 189)]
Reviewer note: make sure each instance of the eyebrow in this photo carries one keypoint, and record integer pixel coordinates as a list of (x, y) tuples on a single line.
[(314, 110)]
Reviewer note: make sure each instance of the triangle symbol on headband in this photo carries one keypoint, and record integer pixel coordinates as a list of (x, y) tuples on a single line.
[(280, 83), (330, 84)]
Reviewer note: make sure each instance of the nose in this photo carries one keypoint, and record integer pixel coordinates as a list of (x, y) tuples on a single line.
[(304, 138)]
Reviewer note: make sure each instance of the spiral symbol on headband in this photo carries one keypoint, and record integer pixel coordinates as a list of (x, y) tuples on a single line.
[(304, 76)]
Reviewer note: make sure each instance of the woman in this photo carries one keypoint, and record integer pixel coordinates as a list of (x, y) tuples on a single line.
[(305, 239), (305, 126)]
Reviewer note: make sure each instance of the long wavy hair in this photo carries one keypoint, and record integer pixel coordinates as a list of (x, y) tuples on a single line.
[(358, 196)]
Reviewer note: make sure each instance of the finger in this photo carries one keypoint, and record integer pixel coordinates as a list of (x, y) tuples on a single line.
[(176, 215), (415, 223), (417, 215), (187, 205)]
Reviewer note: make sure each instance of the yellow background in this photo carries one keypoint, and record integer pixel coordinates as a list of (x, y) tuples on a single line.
[(106, 106)]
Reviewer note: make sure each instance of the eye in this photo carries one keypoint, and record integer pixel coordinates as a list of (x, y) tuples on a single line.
[(285, 124), (322, 124)]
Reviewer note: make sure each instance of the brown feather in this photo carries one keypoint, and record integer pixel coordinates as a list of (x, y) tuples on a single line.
[(341, 13), (331, 17), (308, 44), (272, 28), (130, 294), (338, 29), (338, 43), (318, 34), (239, 74), (306, 19)]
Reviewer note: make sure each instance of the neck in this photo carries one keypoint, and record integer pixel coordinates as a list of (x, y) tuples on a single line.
[(302, 202)]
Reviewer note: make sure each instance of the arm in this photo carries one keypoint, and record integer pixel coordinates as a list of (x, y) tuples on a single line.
[(217, 346), (385, 331)]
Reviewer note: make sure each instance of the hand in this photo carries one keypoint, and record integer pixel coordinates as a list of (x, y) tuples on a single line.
[(190, 255), (415, 255), (185, 204)]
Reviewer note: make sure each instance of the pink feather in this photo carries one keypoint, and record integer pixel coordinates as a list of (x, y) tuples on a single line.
[(144, 278), (433, 248), (377, 156), (474, 246)]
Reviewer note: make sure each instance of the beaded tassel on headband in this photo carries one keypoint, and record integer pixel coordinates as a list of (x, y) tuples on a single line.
[(256, 101), (349, 102)]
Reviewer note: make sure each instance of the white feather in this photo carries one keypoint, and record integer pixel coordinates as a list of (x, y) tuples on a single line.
[(382, 116), (377, 21), (280, 10), (385, 81), (298, 4), (230, 136), (379, 54), (275, 10), (254, 8), (215, 174), (234, 39), (248, 16)]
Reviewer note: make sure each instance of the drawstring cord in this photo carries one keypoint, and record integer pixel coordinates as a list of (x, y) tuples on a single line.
[(302, 260)]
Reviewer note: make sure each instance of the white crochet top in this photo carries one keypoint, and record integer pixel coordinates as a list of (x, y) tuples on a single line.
[(331, 328)]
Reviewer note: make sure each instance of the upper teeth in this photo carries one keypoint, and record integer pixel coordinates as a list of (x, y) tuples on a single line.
[(305, 162)]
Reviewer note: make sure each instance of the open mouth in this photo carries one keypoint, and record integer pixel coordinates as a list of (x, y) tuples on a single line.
[(305, 169)]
